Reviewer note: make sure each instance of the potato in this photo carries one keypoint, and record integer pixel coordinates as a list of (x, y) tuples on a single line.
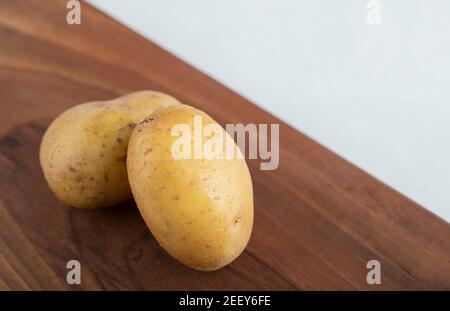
[(83, 152), (199, 210)]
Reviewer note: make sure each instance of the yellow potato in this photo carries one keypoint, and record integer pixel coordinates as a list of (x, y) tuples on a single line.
[(199, 210), (83, 152)]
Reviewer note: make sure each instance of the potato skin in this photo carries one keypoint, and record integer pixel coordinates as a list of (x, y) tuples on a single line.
[(199, 211), (83, 152)]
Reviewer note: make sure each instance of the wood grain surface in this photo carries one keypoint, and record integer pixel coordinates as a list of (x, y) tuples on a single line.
[(318, 218)]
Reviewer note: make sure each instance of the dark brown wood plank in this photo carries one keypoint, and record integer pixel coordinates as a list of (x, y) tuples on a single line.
[(318, 218)]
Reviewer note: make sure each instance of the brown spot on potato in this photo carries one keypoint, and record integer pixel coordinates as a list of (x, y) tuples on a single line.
[(147, 151), (105, 176), (177, 197), (119, 140), (131, 125), (72, 169), (147, 120)]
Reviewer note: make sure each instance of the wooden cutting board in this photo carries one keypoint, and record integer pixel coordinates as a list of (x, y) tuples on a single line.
[(318, 218)]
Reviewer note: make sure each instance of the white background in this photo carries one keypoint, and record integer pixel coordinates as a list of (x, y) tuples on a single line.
[(378, 95)]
